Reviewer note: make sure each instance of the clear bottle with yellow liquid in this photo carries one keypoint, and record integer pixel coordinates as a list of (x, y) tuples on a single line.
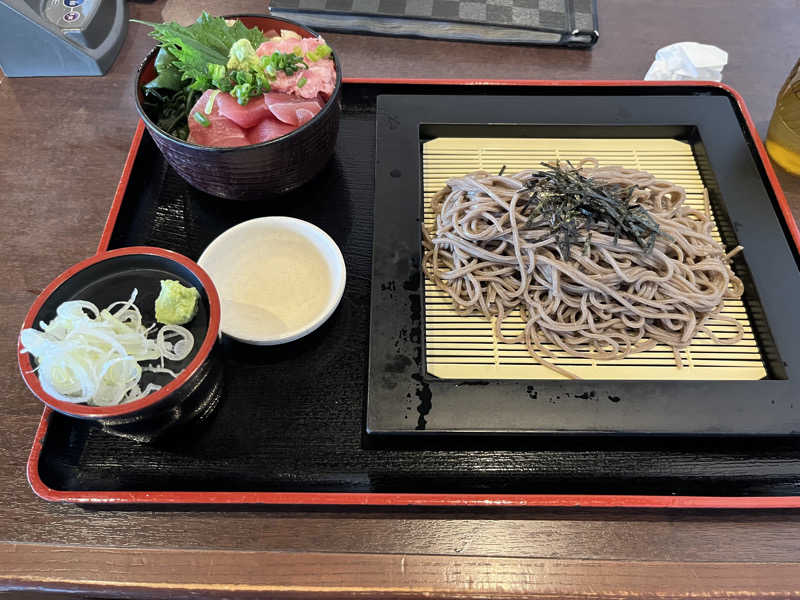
[(783, 136)]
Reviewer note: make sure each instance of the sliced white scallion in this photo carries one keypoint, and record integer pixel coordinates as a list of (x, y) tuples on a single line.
[(90, 355), (210, 103)]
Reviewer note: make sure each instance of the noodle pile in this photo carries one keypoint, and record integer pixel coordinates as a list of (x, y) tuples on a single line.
[(604, 301)]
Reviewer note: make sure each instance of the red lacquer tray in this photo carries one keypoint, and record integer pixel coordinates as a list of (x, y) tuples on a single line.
[(269, 462)]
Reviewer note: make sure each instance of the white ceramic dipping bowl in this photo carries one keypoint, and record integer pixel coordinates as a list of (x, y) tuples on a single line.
[(278, 279)]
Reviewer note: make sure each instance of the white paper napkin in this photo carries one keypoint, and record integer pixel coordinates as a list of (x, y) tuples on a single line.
[(688, 60)]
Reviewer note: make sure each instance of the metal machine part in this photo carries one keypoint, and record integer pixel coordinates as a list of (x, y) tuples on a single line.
[(60, 37)]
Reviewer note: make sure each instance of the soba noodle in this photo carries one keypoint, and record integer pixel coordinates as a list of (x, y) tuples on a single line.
[(607, 299)]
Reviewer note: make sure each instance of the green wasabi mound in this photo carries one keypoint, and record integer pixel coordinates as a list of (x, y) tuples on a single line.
[(242, 56), (176, 304)]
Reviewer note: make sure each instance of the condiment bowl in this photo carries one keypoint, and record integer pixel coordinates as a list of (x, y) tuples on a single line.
[(256, 171), (279, 279), (111, 276)]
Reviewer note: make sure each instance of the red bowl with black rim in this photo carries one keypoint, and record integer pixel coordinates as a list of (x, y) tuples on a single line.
[(256, 171), (111, 276)]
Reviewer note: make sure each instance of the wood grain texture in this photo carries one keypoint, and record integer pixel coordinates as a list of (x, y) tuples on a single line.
[(62, 146), (211, 574)]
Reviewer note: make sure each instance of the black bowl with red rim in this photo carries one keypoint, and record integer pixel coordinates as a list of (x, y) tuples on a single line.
[(111, 276), (258, 171)]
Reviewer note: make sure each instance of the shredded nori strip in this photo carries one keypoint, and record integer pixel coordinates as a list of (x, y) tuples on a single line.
[(572, 205)]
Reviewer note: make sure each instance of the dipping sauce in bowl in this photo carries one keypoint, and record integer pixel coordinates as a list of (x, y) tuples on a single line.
[(278, 278)]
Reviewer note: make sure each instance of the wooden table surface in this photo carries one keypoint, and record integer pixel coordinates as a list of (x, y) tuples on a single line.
[(62, 145)]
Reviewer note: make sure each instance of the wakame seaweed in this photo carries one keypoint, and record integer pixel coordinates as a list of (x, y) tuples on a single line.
[(168, 109)]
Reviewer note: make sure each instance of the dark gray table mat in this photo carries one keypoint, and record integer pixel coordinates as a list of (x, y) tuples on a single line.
[(559, 22)]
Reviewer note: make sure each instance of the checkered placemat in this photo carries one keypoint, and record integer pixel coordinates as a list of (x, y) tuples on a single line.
[(568, 22)]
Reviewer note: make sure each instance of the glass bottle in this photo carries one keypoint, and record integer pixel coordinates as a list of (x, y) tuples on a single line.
[(783, 136)]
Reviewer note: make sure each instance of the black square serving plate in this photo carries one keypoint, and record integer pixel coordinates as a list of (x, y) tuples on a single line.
[(742, 199), (292, 424)]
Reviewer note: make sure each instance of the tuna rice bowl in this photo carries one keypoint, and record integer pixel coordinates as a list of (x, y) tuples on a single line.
[(219, 83)]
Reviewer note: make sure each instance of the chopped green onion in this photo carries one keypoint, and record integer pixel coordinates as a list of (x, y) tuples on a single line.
[(201, 118), (324, 51), (263, 82), (301, 82), (210, 103), (201, 84), (244, 77), (271, 71), (216, 71), (312, 56), (242, 93), (298, 51)]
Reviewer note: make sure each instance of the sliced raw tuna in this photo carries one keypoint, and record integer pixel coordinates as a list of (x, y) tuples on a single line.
[(221, 132), (304, 116), (288, 45), (269, 129), (291, 110), (320, 76), (245, 116)]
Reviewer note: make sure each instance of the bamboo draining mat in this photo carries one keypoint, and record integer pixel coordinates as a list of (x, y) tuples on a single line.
[(459, 347)]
